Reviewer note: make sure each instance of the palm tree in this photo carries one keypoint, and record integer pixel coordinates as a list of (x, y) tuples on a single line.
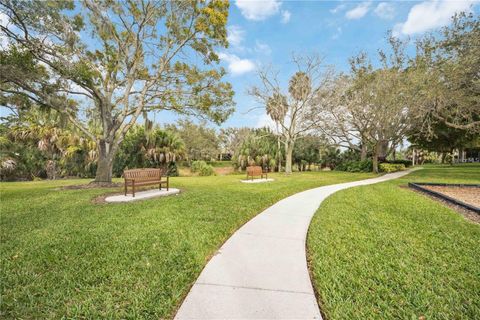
[(300, 86), (58, 145), (257, 149), (47, 140), (163, 147), (277, 108)]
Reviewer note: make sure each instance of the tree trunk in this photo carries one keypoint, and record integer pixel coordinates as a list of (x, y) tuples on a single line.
[(381, 149), (289, 156), (461, 155), (363, 152), (444, 154), (105, 162), (279, 164), (376, 151)]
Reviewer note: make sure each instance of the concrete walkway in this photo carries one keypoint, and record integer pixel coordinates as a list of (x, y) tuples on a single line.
[(261, 271)]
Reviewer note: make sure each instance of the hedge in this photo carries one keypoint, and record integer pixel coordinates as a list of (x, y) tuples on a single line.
[(355, 166), (391, 167)]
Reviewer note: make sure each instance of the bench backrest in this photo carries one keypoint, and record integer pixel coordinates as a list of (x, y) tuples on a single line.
[(254, 171), (144, 174)]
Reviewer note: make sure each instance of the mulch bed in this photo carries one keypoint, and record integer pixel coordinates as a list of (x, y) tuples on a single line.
[(469, 195), (93, 185)]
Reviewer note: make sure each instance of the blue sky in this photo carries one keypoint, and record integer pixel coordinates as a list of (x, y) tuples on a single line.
[(268, 32)]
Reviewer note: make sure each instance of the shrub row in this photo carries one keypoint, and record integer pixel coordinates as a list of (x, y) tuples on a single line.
[(406, 163), (391, 167), (355, 166)]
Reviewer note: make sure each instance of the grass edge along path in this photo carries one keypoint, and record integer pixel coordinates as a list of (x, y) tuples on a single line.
[(64, 256), (385, 252)]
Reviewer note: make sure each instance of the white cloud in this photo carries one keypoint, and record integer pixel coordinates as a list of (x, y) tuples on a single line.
[(262, 48), (235, 35), (338, 8), (258, 10), (236, 65), (286, 16), (385, 10), (397, 30), (429, 15), (359, 11)]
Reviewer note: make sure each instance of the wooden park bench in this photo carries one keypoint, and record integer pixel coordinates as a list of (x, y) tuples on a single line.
[(144, 177), (256, 171)]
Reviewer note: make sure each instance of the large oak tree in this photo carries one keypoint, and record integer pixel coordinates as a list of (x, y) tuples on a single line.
[(105, 64), (445, 77)]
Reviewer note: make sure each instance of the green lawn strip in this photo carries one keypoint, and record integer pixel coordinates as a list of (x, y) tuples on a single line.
[(63, 256), (386, 252)]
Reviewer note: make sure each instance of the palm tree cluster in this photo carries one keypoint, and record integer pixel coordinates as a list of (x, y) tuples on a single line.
[(34, 145)]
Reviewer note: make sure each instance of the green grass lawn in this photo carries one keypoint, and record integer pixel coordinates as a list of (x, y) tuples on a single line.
[(386, 252), (63, 256)]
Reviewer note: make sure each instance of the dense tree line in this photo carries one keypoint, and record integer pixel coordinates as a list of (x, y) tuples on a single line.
[(33, 145)]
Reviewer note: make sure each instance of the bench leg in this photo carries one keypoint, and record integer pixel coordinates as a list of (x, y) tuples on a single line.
[(168, 183), (160, 186), (125, 188), (133, 189)]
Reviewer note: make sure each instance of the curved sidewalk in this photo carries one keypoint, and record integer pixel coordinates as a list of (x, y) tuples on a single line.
[(261, 270)]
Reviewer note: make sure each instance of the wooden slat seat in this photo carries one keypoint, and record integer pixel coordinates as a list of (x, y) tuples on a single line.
[(256, 171), (144, 177)]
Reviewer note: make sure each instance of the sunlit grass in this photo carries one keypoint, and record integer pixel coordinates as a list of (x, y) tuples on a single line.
[(64, 256), (386, 252)]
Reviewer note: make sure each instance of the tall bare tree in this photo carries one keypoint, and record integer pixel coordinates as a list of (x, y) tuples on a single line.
[(106, 64), (291, 108)]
